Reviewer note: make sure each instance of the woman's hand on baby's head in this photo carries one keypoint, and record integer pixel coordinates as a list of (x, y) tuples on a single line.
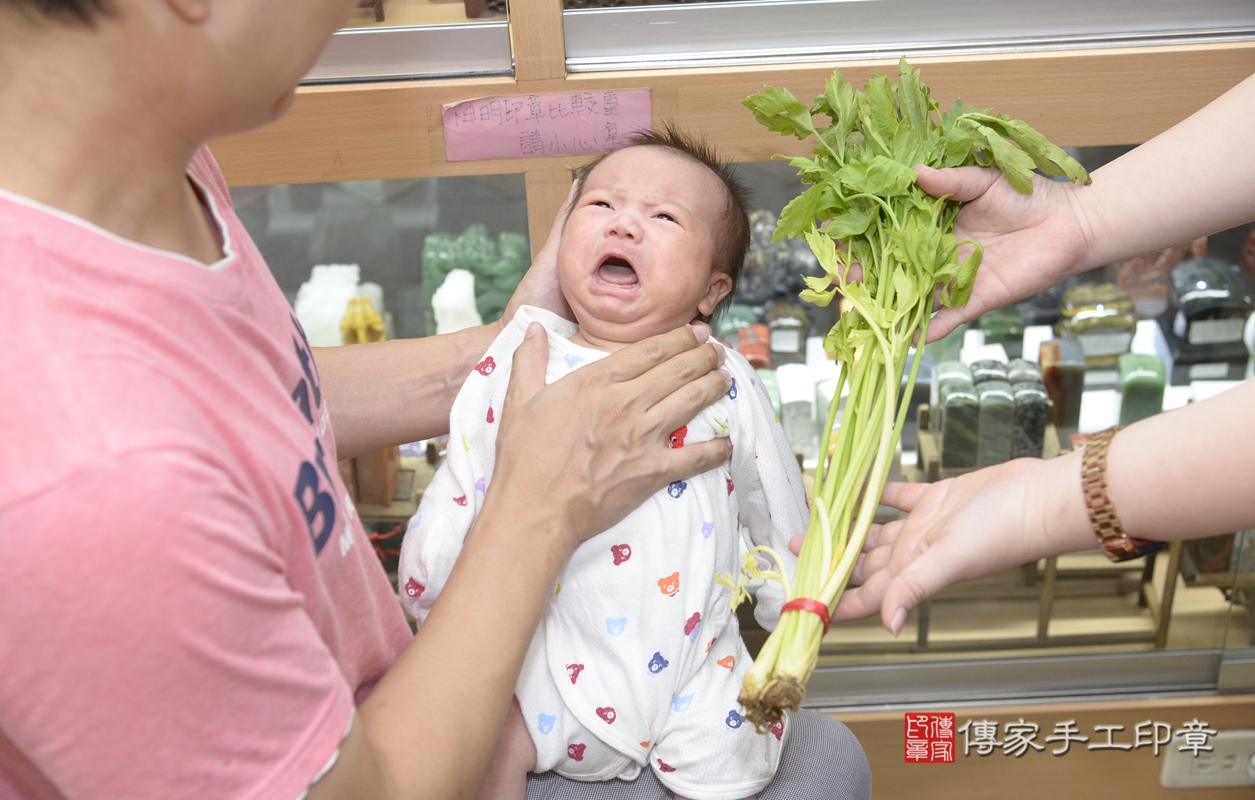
[(584, 451)]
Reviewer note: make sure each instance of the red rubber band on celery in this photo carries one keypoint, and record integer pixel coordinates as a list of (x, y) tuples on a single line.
[(807, 604)]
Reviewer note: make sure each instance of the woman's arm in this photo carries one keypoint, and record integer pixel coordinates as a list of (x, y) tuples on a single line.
[(394, 392), (572, 458), (1190, 181), (1178, 475)]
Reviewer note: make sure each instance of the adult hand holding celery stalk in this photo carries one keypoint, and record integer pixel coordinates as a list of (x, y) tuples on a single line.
[(864, 208), (1176, 475)]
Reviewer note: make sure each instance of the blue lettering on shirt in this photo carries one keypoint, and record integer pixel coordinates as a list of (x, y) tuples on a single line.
[(318, 506), (311, 492), (301, 394)]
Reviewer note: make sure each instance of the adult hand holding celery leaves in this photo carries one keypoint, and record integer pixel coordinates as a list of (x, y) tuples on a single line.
[(864, 208)]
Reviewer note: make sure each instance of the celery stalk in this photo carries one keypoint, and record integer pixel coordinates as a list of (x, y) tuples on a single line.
[(863, 195)]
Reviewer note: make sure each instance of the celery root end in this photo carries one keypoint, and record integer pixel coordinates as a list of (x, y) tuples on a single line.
[(767, 708)]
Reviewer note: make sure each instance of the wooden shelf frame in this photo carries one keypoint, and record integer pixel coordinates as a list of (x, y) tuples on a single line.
[(372, 131)]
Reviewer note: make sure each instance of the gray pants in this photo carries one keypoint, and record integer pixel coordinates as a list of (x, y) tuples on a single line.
[(821, 761)]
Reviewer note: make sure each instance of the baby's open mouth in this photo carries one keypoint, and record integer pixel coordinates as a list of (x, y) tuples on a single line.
[(617, 271)]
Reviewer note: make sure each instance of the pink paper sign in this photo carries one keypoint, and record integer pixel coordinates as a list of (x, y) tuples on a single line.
[(535, 125)]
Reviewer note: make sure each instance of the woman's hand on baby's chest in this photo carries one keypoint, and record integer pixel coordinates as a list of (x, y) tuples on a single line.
[(584, 451)]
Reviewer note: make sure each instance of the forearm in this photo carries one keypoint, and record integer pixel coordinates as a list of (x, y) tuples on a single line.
[(1194, 179), (434, 720), (1187, 473), (396, 392), (1177, 475)]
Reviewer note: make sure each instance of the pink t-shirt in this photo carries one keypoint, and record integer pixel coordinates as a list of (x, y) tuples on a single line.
[(188, 604)]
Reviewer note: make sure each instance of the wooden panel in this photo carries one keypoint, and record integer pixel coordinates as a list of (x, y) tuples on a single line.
[(546, 192), (1109, 774), (536, 40), (355, 132), (1077, 98)]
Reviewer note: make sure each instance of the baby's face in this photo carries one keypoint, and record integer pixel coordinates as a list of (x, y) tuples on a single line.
[(636, 254)]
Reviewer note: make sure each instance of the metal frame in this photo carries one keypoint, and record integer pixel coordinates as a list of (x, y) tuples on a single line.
[(477, 49), (1237, 670), (802, 31), (869, 687)]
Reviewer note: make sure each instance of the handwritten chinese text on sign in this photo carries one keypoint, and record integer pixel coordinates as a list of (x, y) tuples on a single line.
[(535, 125)]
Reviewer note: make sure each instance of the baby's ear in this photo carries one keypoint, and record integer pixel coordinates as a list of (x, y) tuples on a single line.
[(720, 286)]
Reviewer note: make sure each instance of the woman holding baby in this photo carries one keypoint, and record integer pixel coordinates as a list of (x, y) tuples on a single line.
[(213, 621)]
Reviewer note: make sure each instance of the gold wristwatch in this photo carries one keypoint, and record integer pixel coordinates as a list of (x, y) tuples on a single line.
[(1117, 544)]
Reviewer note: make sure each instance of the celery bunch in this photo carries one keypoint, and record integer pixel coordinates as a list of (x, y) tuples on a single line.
[(863, 208)]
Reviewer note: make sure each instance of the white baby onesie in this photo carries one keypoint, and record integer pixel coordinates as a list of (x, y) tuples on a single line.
[(638, 658)]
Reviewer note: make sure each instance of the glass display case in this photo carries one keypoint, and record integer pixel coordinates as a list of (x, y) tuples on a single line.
[(393, 241), (357, 173), (386, 228)]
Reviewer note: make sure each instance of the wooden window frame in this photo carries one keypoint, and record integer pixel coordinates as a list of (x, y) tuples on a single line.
[(370, 131)]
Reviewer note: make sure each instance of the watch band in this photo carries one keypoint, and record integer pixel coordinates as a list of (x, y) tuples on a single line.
[(1117, 544)]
